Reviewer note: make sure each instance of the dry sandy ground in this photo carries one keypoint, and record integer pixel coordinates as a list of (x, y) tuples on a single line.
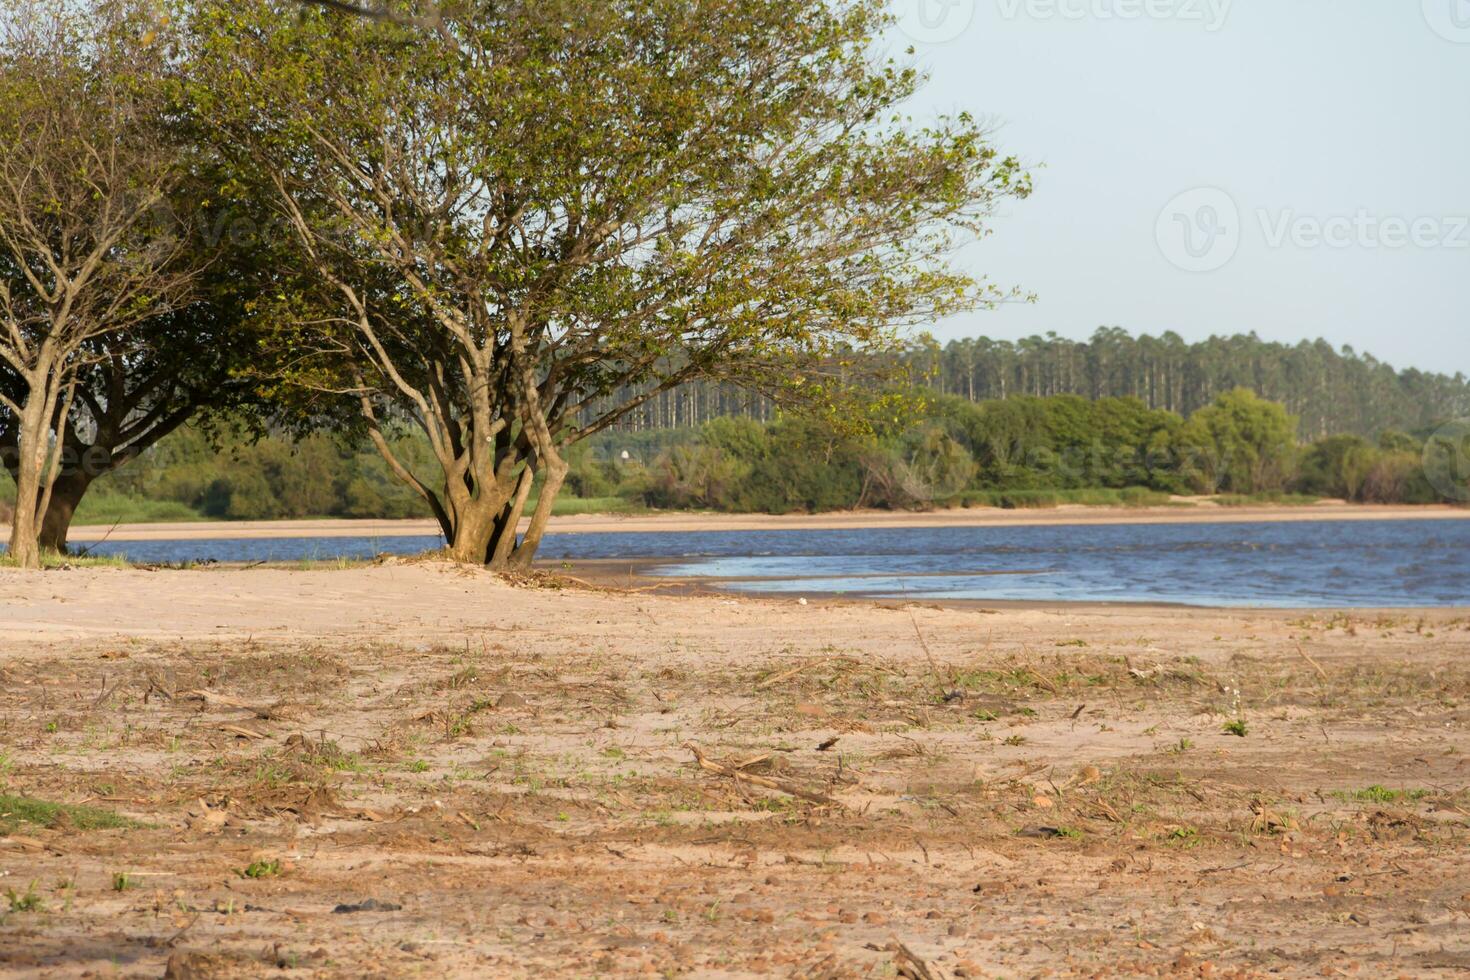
[(509, 772), (1185, 510)]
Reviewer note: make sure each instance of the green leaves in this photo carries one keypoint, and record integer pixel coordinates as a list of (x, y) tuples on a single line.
[(1240, 443)]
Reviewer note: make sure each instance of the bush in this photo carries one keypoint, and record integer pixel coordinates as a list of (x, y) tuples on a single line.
[(1337, 466), (1065, 442), (1399, 478), (1388, 472), (1240, 443), (591, 473), (696, 476), (806, 468)]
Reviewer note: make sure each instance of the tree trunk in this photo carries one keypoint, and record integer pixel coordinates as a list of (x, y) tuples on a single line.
[(474, 526), (25, 547), (66, 495), (505, 540), (556, 474)]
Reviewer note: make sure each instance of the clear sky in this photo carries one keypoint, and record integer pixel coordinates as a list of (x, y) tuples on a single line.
[(1299, 168)]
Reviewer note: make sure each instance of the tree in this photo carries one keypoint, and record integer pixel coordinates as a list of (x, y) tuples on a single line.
[(1338, 466), (1240, 443), (91, 255), (539, 205)]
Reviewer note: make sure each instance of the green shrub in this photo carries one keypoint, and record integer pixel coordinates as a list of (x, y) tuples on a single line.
[(1240, 443)]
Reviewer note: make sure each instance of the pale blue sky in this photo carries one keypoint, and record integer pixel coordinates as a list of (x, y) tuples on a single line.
[(1349, 118)]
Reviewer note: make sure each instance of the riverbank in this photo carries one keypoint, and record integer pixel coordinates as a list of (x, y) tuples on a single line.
[(1184, 511), (420, 768)]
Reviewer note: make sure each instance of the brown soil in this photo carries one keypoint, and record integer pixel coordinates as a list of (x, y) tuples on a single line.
[(509, 771)]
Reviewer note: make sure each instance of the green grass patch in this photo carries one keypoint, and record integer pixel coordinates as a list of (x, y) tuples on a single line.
[(330, 756), (566, 506), (261, 869), (1257, 499), (1040, 499), (53, 560), (100, 507), (1183, 836), (17, 810), (1382, 794)]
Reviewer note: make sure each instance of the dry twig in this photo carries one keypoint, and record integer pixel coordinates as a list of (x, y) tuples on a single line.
[(1315, 666), (780, 785), (911, 963), (775, 679)]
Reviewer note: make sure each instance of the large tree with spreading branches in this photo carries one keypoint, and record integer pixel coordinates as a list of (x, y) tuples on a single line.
[(129, 258), (106, 340), (510, 210)]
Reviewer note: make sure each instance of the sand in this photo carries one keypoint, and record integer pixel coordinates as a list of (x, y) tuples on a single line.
[(1186, 510), (507, 769)]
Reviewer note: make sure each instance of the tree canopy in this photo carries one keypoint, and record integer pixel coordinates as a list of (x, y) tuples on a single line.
[(507, 219)]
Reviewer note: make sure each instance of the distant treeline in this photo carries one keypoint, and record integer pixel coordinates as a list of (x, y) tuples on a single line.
[(1330, 391), (1029, 451), (1017, 452)]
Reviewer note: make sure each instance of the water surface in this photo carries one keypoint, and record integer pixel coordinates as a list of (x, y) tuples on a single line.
[(1303, 564)]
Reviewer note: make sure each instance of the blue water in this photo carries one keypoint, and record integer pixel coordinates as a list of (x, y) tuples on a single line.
[(1286, 565), (258, 549)]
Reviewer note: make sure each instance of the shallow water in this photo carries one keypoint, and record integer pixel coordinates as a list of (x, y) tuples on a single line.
[(1283, 565)]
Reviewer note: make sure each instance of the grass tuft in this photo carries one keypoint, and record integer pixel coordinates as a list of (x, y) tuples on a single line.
[(1382, 794), (261, 869), (26, 901), (16, 810)]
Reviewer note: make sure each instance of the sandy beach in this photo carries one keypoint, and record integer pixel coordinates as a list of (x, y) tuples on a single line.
[(1185, 511), (421, 769)]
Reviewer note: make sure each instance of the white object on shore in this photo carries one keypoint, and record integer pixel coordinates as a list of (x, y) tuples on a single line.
[(801, 602)]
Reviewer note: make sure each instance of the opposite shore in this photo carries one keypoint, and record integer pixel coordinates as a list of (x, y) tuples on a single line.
[(1185, 511)]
